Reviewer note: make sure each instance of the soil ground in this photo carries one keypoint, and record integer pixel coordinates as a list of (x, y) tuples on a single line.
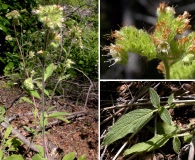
[(80, 135)]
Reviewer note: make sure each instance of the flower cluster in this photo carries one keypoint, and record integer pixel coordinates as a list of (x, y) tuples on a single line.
[(166, 30), (126, 40), (183, 23), (76, 33), (162, 43), (51, 16), (13, 14), (171, 41)]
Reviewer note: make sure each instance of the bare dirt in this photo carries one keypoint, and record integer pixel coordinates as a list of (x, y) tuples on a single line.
[(80, 135)]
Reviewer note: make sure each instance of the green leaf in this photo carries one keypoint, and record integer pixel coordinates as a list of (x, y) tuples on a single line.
[(63, 77), (56, 114), (45, 119), (35, 94), (14, 156), (8, 68), (154, 98), (5, 21), (70, 156), (165, 128), (170, 100), (150, 145), (26, 100), (2, 110), (165, 115), (48, 71), (35, 113), (176, 144), (50, 108), (13, 144), (59, 115), (83, 157), (131, 122), (63, 119), (187, 138), (41, 150), (1, 154), (31, 130), (8, 131), (2, 60), (28, 83), (4, 6), (38, 157), (46, 93), (39, 85), (3, 28)]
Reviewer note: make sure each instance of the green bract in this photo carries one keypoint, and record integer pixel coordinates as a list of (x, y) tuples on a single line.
[(127, 41), (169, 41)]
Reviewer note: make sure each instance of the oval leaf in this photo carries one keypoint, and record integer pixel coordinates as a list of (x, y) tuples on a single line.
[(154, 98), (8, 132), (152, 144), (41, 150), (36, 157), (131, 122), (70, 156), (2, 110), (176, 144), (165, 128), (82, 157), (170, 100), (56, 114), (1, 154), (26, 100), (14, 156), (3, 28), (165, 115), (35, 94), (48, 71), (45, 119), (63, 119)]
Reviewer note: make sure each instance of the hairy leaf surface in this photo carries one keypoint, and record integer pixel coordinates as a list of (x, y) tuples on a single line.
[(152, 144), (154, 98), (131, 122)]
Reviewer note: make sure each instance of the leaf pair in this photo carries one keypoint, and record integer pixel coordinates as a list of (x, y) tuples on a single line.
[(134, 121), (58, 115), (163, 112), (29, 82)]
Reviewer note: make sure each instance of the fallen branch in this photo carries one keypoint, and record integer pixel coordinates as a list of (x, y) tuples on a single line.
[(20, 136), (27, 142), (90, 87)]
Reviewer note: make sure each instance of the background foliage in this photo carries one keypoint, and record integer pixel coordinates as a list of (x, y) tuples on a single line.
[(79, 15)]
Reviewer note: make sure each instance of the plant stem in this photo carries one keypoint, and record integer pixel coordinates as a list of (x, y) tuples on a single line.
[(21, 52), (43, 94), (43, 106), (167, 69)]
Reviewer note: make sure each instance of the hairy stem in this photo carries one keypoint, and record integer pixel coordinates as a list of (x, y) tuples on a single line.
[(167, 69), (43, 107), (20, 50)]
